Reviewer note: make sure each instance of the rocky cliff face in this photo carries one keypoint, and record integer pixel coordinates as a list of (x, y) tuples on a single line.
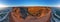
[(30, 14)]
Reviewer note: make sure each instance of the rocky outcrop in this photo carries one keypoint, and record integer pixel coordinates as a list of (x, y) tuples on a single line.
[(30, 14)]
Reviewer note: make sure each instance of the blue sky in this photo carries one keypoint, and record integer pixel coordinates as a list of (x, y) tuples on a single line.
[(29, 2)]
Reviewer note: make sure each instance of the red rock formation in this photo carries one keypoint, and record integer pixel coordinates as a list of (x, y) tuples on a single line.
[(44, 15), (35, 14), (15, 15)]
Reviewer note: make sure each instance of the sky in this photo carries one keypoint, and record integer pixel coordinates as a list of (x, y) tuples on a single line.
[(30, 2)]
